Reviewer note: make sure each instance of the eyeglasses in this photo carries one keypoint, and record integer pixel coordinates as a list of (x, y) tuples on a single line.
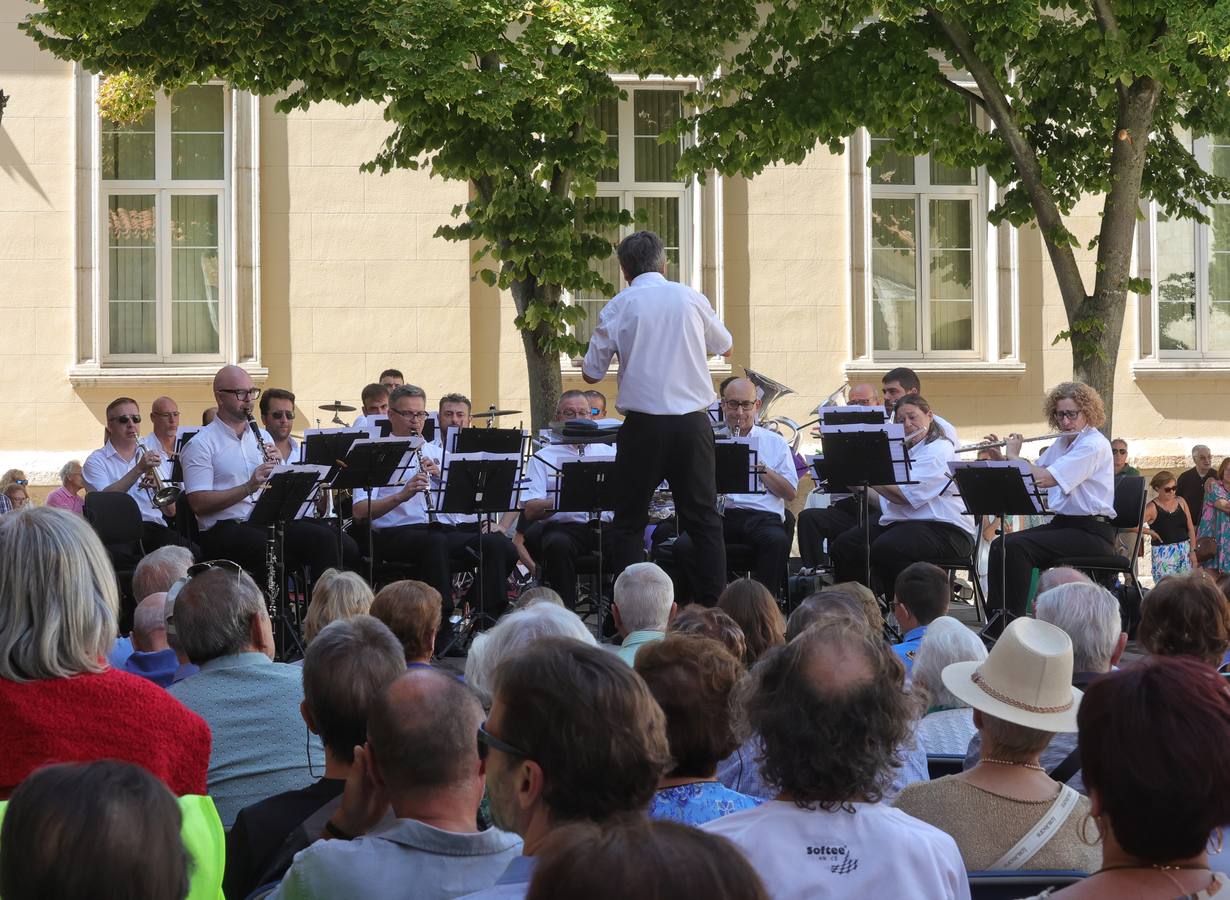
[(135, 419), (288, 414), (1064, 414), (1169, 490), (421, 414), (241, 393), (167, 415), (487, 740), (745, 405), (1120, 452)]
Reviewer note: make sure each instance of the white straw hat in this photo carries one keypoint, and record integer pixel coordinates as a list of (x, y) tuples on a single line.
[(1026, 679)]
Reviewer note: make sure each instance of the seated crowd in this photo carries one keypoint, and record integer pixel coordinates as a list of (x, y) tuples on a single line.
[(723, 751)]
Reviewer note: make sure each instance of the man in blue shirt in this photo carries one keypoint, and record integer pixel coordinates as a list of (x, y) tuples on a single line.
[(922, 595)]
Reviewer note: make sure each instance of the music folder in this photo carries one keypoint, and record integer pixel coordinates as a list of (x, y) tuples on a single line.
[(287, 495)]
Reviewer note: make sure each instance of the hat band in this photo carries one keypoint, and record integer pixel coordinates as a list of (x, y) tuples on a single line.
[(977, 678)]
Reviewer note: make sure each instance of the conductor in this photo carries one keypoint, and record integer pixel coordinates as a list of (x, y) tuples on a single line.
[(663, 332)]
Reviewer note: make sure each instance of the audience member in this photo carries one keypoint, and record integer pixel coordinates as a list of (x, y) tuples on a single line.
[(1192, 482), (948, 725), (710, 622), (866, 598), (922, 594), (573, 735), (17, 495), (1215, 518), (1057, 575), (1186, 615), (691, 678), (1171, 529), (14, 476), (412, 611), (1022, 694), (349, 664), (336, 595), (539, 593), (152, 657), (655, 859), (102, 830), (514, 634), (1119, 451), (68, 496), (754, 609), (1151, 738), (58, 700), (830, 710), (250, 702), (825, 605), (644, 604)]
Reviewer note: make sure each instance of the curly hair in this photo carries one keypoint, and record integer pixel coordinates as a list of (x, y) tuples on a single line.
[(750, 604), (1087, 400), (830, 711), (866, 599), (1186, 615), (710, 622)]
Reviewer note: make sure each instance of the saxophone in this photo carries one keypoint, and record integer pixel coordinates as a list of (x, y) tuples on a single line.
[(272, 590)]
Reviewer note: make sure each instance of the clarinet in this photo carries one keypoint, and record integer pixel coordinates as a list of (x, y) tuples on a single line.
[(431, 512), (272, 591)]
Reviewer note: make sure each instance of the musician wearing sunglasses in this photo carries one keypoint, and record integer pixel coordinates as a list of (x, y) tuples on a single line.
[(224, 468), (278, 416), (122, 464), (1077, 472)]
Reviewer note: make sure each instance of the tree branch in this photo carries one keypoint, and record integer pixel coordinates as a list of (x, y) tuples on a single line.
[(1107, 21), (972, 96)]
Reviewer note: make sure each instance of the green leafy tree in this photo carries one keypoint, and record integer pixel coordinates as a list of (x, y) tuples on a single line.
[(1083, 99), (497, 93)]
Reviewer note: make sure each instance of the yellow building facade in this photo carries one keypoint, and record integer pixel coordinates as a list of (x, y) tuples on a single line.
[(135, 261)]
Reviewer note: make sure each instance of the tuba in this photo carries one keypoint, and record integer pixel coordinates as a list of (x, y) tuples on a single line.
[(770, 392)]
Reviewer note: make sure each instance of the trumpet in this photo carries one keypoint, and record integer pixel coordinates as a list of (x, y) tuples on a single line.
[(162, 494), (987, 445)]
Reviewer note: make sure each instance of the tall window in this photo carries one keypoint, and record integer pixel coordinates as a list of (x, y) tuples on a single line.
[(642, 182), (164, 202), (926, 220), (1191, 270)]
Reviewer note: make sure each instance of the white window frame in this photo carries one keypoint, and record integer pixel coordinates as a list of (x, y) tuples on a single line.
[(238, 258)]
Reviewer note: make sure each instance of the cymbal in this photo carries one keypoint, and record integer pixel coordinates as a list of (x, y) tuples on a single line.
[(496, 413), (336, 406)]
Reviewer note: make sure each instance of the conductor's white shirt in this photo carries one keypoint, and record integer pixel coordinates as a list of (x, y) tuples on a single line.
[(934, 498), (1085, 472), (218, 459), (663, 333)]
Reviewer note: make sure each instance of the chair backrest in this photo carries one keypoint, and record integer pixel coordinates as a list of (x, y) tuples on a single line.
[(1129, 501), (1015, 884), (939, 765), (115, 516)]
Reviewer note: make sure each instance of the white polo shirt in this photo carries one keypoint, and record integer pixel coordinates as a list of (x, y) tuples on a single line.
[(935, 497), (218, 459), (772, 450), (408, 512), (1085, 472), (104, 467), (543, 476), (664, 333)]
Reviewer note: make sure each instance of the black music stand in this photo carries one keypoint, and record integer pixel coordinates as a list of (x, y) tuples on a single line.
[(283, 498), (329, 448), (997, 488), (736, 465), (369, 464), (588, 486), (862, 459)]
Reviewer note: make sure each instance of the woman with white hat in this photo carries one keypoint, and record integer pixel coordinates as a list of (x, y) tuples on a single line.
[(1007, 813)]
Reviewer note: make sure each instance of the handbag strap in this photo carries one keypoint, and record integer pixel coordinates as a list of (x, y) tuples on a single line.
[(1035, 839)]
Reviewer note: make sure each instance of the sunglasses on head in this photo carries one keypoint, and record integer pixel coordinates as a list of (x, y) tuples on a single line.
[(224, 564), (135, 419), (487, 740)]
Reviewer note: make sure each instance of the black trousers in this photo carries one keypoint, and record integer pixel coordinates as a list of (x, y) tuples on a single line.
[(766, 534), (678, 449), (306, 543), (556, 546), (1039, 548), (424, 547), (818, 525), (498, 558), (895, 546)]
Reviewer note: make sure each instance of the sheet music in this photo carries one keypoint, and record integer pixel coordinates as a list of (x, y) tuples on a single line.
[(483, 456), (838, 411), (896, 440)]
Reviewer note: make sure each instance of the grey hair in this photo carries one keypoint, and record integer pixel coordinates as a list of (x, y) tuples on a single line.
[(1201, 447), (947, 641), (407, 390), (1055, 576), (641, 252), (539, 594), (149, 617), (515, 633), (644, 595), (58, 596), (1089, 614), (157, 571), (336, 595), (68, 468), (213, 614)]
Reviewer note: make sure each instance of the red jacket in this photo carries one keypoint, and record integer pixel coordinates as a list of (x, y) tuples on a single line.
[(108, 715)]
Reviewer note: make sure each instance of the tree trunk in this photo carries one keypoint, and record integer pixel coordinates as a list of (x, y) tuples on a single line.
[(543, 369)]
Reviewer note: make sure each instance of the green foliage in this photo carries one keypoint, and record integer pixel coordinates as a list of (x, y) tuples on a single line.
[(125, 98), (1086, 335)]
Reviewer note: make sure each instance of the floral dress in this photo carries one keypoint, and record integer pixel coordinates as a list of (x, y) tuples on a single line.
[(1215, 524), (699, 802)]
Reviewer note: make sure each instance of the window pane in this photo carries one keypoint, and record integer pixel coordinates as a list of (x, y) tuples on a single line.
[(128, 150), (197, 148), (594, 300), (894, 274), (896, 167), (653, 113), (1176, 283), (662, 218), (1219, 278), (942, 173), (132, 273), (1221, 155), (951, 275), (606, 117), (194, 274)]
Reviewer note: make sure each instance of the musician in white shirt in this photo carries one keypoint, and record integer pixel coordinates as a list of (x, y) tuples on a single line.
[(164, 416), (375, 402), (1077, 471), (918, 522), (902, 382), (747, 518), (557, 539)]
